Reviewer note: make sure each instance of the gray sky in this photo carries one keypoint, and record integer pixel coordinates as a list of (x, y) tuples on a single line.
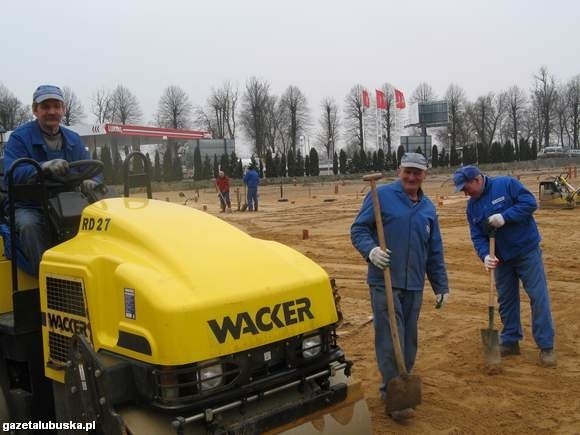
[(323, 47)]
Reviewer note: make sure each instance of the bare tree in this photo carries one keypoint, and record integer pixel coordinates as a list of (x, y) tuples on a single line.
[(294, 106), (516, 101), (354, 115), (102, 106), (125, 106), (456, 103), (423, 93), (573, 100), (329, 124), (275, 140), (174, 110), (73, 109), (387, 119), (527, 123), (219, 114), (12, 112), (562, 123), (254, 111), (486, 115), (544, 99)]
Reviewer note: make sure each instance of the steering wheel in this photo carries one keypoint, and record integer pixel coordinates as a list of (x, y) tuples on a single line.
[(87, 170)]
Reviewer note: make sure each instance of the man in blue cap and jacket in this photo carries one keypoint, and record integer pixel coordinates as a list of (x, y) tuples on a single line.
[(415, 248), (504, 205), (252, 180), (53, 146)]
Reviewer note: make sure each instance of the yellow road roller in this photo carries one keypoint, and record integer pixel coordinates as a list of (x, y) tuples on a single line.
[(155, 318)]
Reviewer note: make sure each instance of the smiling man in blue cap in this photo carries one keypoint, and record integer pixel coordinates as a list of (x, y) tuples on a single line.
[(53, 146), (506, 206), (415, 251)]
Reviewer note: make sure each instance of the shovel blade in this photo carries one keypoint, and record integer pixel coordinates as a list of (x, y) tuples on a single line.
[(490, 339), (403, 392)]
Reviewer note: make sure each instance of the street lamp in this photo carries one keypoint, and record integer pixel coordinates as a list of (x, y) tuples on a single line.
[(449, 150), (476, 149)]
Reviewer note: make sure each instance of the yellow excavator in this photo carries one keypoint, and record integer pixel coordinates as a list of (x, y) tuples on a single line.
[(557, 192), (155, 318)]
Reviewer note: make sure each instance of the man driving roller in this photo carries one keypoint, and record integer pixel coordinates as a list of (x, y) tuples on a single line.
[(53, 146)]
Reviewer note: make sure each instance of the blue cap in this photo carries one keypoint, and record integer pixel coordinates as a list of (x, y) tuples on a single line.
[(463, 175), (47, 92), (414, 160)]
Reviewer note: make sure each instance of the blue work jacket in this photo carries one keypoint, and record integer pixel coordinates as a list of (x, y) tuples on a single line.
[(516, 204), (412, 234), (27, 141), (252, 179)]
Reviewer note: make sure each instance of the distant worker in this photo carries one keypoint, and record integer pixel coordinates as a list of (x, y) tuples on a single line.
[(223, 186), (504, 204), (252, 180), (415, 248), (53, 146)]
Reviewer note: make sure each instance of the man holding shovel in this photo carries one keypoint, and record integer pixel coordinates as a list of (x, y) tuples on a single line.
[(504, 204), (412, 235), (223, 187)]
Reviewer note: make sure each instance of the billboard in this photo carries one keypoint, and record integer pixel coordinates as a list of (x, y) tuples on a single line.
[(433, 113)]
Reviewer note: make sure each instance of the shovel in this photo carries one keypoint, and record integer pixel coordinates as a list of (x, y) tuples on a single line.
[(490, 336), (245, 204), (403, 391)]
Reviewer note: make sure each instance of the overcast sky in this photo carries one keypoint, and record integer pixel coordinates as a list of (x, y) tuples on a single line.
[(323, 47)]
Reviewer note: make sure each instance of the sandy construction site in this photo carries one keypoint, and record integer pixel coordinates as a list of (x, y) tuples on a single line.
[(458, 396)]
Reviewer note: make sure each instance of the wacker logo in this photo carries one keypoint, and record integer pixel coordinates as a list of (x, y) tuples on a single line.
[(56, 321), (266, 318)]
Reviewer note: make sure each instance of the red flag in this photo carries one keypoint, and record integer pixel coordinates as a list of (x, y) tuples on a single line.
[(399, 99), (381, 103), (365, 98)]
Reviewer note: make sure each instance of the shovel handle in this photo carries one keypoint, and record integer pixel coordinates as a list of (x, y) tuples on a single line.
[(491, 302), (387, 273)]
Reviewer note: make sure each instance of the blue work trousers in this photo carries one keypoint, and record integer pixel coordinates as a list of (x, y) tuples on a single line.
[(529, 268), (34, 235), (407, 309), (252, 199)]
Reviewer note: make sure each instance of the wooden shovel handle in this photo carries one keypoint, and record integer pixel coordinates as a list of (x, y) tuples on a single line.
[(372, 178), (491, 302)]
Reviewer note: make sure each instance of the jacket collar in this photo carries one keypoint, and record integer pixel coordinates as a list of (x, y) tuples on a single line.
[(38, 139), (487, 184)]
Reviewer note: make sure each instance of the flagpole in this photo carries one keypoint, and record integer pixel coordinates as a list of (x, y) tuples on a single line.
[(363, 128), (377, 123)]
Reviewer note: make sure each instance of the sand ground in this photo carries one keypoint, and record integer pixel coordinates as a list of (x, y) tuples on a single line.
[(458, 395)]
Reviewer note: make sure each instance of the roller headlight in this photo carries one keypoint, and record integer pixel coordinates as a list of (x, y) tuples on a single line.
[(211, 377), (311, 346)]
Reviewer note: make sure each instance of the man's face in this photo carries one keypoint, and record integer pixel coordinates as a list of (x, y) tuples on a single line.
[(473, 188), (412, 178), (49, 114)]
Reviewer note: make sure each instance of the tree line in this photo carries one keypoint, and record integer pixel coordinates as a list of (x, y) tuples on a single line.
[(479, 130)]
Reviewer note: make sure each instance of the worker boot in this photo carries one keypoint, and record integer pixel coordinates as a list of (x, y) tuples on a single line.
[(547, 358), (402, 415), (509, 349)]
